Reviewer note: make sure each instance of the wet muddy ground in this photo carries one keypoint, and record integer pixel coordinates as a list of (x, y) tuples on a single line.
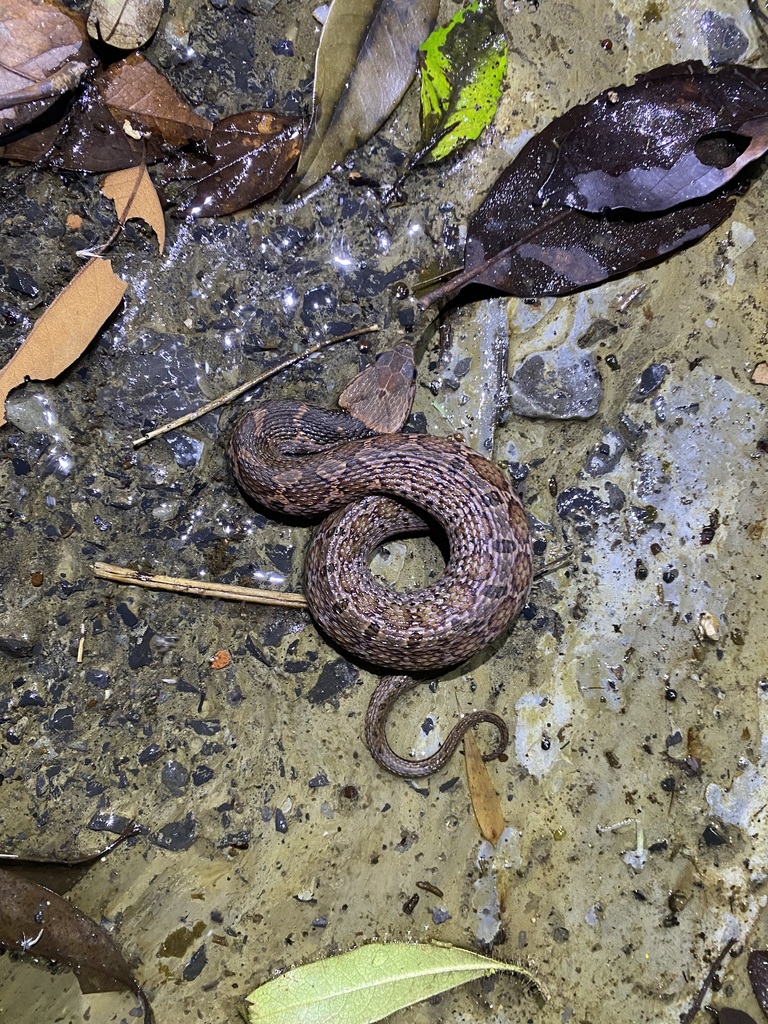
[(635, 682)]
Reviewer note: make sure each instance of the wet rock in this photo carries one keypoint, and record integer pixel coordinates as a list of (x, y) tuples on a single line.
[(16, 647), (176, 835), (562, 384), (585, 507), (336, 677), (175, 778), (187, 451), (651, 379), (606, 456), (196, 963), (726, 43)]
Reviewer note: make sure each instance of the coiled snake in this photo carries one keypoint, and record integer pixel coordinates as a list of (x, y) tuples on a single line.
[(377, 483)]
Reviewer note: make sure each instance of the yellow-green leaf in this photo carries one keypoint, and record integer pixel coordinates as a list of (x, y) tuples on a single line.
[(369, 983), (463, 65)]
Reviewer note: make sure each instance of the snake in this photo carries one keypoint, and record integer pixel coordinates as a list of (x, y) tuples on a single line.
[(372, 482)]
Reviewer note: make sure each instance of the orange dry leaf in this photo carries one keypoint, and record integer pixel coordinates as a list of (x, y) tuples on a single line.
[(760, 374), (135, 198), (221, 659), (65, 329), (135, 92), (485, 799)]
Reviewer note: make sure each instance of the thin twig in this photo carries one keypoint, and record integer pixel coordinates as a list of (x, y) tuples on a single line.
[(556, 563), (230, 396), (227, 591), (693, 1009)]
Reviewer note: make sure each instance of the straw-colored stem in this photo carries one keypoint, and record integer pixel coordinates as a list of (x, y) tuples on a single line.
[(227, 591)]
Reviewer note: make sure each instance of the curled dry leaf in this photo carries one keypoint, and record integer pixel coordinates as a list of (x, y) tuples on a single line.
[(250, 155), (135, 91), (65, 329), (125, 24), (45, 49), (485, 800), (135, 198), (525, 246), (35, 919), (366, 60)]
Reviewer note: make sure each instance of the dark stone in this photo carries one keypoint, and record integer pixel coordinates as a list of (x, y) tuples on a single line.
[(651, 379), (176, 835), (16, 647), (202, 774), (335, 677), (196, 963)]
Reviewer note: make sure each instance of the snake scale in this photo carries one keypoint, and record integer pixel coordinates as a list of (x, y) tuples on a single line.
[(375, 483)]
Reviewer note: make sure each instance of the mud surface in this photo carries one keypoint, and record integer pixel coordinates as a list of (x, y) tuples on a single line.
[(635, 681)]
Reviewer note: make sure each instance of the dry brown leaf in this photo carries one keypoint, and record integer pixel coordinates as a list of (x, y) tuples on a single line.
[(135, 198), (760, 374), (135, 92), (485, 799), (125, 24), (38, 39), (65, 329)]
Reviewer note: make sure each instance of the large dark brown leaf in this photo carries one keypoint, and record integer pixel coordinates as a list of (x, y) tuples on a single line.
[(524, 246), (757, 968), (250, 155), (44, 50), (728, 1015), (366, 59), (678, 134), (36, 920)]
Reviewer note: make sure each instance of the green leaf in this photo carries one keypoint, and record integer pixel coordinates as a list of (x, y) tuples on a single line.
[(462, 67), (367, 58), (369, 983)]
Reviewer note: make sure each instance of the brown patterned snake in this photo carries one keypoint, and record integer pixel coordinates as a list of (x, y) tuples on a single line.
[(377, 484)]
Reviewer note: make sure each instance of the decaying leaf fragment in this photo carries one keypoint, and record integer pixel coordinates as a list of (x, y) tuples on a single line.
[(250, 154), (135, 198), (526, 240), (369, 983), (485, 799), (366, 60), (44, 51), (65, 329), (126, 24), (462, 66)]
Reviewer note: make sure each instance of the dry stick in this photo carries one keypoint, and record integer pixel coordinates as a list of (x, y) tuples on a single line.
[(232, 395), (687, 1017), (227, 591)]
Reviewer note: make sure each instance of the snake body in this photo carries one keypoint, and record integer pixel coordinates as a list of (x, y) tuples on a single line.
[(300, 460)]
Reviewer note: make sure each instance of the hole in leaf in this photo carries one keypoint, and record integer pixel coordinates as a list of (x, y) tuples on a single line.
[(720, 149)]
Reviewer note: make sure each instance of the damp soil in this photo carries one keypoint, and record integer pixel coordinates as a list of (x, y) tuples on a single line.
[(635, 682)]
